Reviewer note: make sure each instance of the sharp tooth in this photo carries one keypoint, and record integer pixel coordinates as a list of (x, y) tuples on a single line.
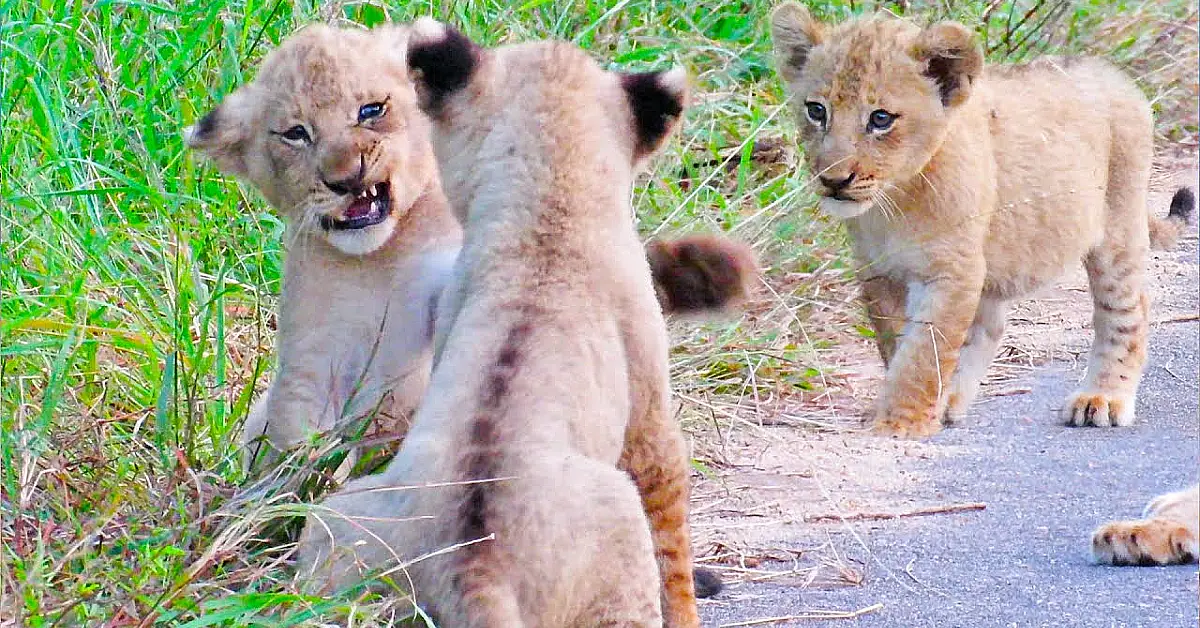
[(373, 190), (362, 194), (375, 206)]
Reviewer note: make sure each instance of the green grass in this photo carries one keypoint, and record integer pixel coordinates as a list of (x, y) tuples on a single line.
[(137, 285)]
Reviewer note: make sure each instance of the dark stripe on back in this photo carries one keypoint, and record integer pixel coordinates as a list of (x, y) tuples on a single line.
[(482, 461)]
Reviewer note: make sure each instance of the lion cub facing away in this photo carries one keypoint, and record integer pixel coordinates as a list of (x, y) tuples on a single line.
[(964, 187), (550, 362), (1167, 534)]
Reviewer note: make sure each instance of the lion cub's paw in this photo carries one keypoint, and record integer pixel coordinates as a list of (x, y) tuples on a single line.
[(1098, 408), (1145, 542), (956, 410), (899, 426)]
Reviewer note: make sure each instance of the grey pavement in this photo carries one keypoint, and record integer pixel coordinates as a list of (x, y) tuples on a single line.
[(1023, 561)]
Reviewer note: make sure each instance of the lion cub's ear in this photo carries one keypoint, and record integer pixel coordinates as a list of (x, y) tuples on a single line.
[(795, 33), (657, 100), (442, 61), (222, 134), (952, 59)]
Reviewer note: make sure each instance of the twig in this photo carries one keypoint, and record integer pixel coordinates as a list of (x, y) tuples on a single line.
[(877, 516), (817, 614), (1186, 318)]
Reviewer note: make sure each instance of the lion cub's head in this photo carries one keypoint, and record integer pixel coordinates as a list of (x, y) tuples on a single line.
[(874, 98), (542, 112), (330, 133)]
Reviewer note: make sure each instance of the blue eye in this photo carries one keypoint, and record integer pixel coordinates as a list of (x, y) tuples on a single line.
[(371, 111), (881, 120), (815, 111)]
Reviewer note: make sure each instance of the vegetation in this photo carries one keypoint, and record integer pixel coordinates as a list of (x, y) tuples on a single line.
[(137, 285)]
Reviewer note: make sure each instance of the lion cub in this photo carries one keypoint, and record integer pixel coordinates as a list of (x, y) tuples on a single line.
[(1167, 534), (550, 362), (964, 187), (330, 133)]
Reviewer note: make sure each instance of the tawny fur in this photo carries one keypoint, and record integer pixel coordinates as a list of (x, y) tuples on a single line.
[(980, 185), (550, 367), (355, 318), (1167, 534), (344, 352)]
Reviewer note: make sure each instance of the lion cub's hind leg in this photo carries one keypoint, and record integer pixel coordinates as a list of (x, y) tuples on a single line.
[(586, 549), (626, 579), (1109, 390), (1168, 535), (983, 338), (1116, 268)]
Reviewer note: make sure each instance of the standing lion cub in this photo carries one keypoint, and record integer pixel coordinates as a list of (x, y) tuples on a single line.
[(546, 424), (965, 187)]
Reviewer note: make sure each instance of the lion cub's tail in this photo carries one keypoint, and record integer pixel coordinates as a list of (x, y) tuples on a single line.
[(1165, 231), (700, 273)]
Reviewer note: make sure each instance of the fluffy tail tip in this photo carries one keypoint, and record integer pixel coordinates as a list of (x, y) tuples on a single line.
[(1183, 204), (700, 273)]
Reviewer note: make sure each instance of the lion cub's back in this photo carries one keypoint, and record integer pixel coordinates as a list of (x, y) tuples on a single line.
[(1060, 128), (1056, 112)]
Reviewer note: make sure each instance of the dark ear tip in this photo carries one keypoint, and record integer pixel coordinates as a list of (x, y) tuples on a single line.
[(442, 59), (431, 43), (657, 100), (198, 133)]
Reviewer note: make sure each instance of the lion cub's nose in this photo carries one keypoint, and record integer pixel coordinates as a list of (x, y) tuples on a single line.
[(349, 185), (837, 185), (345, 186)]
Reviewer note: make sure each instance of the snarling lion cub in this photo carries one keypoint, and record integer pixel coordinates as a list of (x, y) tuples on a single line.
[(964, 187), (1167, 534), (550, 374), (330, 133)]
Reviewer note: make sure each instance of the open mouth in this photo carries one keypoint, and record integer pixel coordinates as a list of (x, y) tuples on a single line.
[(842, 196), (371, 207)]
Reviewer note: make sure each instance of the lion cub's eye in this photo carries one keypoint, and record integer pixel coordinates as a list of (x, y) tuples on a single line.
[(881, 120), (816, 112), (296, 136), (371, 111)]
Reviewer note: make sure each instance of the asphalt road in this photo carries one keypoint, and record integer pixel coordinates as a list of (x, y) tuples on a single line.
[(1023, 561)]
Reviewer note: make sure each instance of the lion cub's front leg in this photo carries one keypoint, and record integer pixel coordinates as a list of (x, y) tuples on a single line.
[(655, 457), (883, 298), (919, 374), (1168, 534)]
